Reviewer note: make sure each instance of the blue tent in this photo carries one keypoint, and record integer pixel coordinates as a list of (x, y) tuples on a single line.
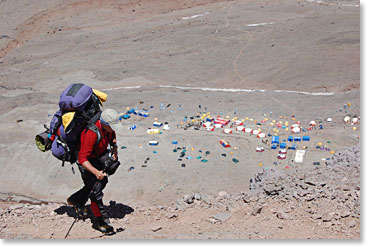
[(294, 146), (125, 116), (283, 145), (275, 139), (297, 139)]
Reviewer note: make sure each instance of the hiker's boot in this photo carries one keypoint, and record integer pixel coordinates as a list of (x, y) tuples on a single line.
[(103, 225), (80, 210)]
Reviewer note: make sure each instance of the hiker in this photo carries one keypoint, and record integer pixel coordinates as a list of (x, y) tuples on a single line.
[(91, 163)]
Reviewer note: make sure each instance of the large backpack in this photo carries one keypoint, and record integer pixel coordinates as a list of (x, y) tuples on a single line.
[(79, 109)]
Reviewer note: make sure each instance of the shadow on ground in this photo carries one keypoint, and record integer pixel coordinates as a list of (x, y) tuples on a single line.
[(114, 210)]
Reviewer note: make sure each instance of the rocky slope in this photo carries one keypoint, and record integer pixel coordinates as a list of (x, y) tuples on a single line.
[(321, 202)]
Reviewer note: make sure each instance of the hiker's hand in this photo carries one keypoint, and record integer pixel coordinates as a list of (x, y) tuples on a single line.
[(100, 175), (114, 153)]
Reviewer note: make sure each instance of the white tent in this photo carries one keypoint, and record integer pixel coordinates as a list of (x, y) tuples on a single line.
[(248, 130)]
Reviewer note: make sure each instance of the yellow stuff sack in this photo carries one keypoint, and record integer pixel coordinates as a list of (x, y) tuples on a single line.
[(101, 95), (67, 118)]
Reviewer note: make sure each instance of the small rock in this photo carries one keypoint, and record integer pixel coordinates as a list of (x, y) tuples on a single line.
[(220, 205), (355, 215), (197, 202), (171, 215), (316, 216), (205, 199), (310, 198), (309, 182), (223, 194), (345, 213), (180, 205), (271, 189), (212, 220), (261, 200), (156, 228), (16, 206), (303, 193), (283, 216), (328, 224), (188, 199), (222, 216), (256, 210), (246, 198), (352, 224), (327, 217), (197, 196), (303, 186)]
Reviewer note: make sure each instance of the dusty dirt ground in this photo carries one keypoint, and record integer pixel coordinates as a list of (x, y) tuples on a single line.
[(266, 62)]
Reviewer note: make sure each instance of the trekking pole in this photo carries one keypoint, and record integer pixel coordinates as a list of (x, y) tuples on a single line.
[(70, 228), (94, 186)]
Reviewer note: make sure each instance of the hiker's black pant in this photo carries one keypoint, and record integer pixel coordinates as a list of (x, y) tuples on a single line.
[(92, 187)]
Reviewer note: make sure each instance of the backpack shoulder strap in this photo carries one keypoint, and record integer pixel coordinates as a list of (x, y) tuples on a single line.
[(92, 120), (91, 126), (95, 129)]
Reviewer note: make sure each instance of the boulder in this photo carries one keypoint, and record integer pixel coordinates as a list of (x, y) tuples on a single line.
[(180, 205), (271, 189), (205, 198), (188, 199)]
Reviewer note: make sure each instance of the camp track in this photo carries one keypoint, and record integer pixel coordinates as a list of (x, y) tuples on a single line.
[(239, 54)]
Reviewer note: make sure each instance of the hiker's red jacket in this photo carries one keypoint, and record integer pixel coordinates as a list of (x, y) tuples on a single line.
[(88, 148)]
